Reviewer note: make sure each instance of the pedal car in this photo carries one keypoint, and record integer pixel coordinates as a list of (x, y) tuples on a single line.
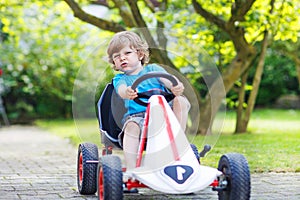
[(166, 161)]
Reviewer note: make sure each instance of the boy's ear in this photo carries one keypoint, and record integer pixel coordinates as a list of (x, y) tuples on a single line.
[(141, 55), (115, 67)]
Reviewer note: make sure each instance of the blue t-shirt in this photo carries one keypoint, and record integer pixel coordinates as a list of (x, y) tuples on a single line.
[(128, 80)]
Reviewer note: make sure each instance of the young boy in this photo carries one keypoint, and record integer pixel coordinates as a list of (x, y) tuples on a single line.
[(130, 54)]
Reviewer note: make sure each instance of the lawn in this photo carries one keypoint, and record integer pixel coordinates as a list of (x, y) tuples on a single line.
[(272, 143)]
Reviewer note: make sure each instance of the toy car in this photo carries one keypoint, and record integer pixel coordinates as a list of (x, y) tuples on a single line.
[(166, 161)]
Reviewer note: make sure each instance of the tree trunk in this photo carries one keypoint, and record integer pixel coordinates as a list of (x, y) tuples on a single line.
[(205, 119), (242, 124), (220, 87), (244, 121), (239, 128)]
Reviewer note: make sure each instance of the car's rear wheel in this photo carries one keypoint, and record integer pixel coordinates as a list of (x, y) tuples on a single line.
[(87, 161)]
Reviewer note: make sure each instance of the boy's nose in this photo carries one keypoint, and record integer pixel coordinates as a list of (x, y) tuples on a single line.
[(122, 56)]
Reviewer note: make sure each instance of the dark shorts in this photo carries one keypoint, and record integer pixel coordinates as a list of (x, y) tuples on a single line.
[(136, 118)]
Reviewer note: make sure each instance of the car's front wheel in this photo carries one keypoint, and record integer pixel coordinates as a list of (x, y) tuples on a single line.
[(236, 175)]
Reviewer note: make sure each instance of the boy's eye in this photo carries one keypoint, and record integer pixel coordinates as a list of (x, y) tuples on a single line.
[(116, 56), (128, 53)]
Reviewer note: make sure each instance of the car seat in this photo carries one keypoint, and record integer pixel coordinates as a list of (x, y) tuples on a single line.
[(111, 110)]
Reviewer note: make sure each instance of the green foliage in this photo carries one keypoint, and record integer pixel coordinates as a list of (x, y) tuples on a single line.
[(279, 78), (194, 34), (41, 57)]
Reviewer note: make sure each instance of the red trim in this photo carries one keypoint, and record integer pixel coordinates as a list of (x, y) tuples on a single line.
[(215, 183), (143, 138), (134, 184), (107, 151), (100, 184), (169, 129), (144, 134), (80, 168)]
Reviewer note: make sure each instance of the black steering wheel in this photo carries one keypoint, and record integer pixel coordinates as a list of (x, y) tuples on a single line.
[(146, 95)]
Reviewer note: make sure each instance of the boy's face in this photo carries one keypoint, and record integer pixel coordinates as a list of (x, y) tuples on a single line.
[(127, 60)]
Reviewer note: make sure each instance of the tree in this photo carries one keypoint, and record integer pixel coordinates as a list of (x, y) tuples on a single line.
[(238, 36), (243, 118), (230, 31), (245, 52), (243, 115)]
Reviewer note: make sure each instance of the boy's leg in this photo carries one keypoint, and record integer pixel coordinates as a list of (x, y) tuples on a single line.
[(181, 107), (130, 144)]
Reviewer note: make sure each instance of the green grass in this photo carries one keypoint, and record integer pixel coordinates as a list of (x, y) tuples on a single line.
[(272, 143), (77, 131)]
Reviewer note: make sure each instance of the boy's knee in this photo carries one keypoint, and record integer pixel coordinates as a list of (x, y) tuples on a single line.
[(132, 128)]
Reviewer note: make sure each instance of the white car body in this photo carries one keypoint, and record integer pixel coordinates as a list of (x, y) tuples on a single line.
[(169, 164)]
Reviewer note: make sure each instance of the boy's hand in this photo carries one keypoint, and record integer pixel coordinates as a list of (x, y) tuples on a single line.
[(178, 89), (130, 93)]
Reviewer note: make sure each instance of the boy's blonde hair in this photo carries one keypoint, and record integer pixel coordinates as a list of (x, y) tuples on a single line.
[(124, 38)]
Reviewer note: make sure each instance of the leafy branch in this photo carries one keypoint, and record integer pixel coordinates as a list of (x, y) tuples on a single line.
[(98, 22)]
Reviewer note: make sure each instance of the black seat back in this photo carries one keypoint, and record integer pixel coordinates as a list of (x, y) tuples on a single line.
[(110, 113)]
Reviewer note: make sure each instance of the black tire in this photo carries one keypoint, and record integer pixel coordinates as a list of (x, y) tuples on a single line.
[(110, 178), (236, 170), (87, 172)]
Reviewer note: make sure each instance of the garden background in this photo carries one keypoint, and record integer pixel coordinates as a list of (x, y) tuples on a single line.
[(241, 59)]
